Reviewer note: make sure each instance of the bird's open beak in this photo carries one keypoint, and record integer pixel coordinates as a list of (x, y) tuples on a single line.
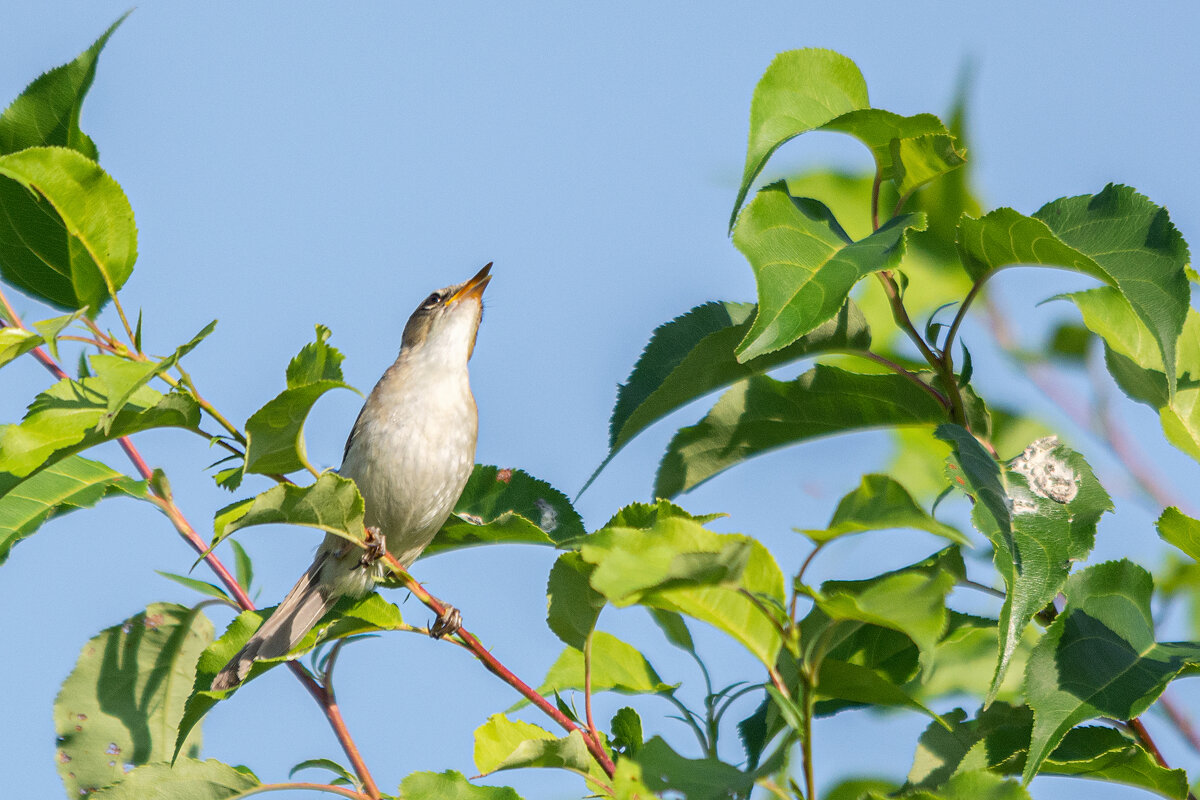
[(474, 287)]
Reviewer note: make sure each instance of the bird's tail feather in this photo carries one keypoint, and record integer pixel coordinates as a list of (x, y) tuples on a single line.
[(302, 609)]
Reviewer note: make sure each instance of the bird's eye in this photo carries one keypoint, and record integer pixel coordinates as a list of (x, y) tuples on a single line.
[(432, 301)]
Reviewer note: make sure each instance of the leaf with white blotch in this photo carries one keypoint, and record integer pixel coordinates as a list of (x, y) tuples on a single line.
[(66, 419), (1180, 530), (616, 666), (678, 565), (998, 739), (763, 414), (1108, 612), (16, 342), (1040, 513), (573, 606), (331, 503), (121, 704), (450, 785), (693, 355), (68, 485), (507, 506), (805, 264), (186, 779), (68, 236), (1117, 236), (350, 617), (881, 503), (800, 91)]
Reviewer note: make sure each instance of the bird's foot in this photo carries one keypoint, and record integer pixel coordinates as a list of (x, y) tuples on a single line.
[(447, 623), (375, 547)]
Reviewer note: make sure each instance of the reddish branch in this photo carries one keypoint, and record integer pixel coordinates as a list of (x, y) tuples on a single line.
[(592, 741)]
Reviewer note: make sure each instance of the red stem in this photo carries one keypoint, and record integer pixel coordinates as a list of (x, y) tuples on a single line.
[(502, 672)]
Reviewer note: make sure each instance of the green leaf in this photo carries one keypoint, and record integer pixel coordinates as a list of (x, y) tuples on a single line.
[(1135, 362), (964, 661), (67, 417), (693, 355), (800, 91), (626, 732), (68, 236), (573, 605), (881, 503), (1179, 529), (805, 264), (203, 587), (762, 414), (694, 778), (1108, 612), (998, 738), (242, 564), (16, 342), (331, 503), (911, 600), (501, 743), (51, 328), (616, 667), (328, 765), (450, 785), (845, 681), (909, 151), (186, 779), (1117, 236), (973, 785), (316, 361), (68, 485), (678, 565), (120, 377), (275, 433), (674, 628), (350, 617), (47, 111), (120, 705), (1039, 512), (507, 506)]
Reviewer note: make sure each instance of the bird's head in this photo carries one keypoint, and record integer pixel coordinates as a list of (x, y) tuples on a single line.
[(445, 324)]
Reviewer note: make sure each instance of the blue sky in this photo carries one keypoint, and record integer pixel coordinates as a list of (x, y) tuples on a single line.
[(301, 163)]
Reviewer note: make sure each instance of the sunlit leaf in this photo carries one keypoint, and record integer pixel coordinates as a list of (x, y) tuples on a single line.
[(16, 342), (121, 704), (67, 485), (881, 503), (805, 264), (616, 666), (331, 503), (68, 235), (1180, 530), (450, 785), (186, 779), (573, 606)]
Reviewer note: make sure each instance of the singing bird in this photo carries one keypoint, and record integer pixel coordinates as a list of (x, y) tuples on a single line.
[(411, 451)]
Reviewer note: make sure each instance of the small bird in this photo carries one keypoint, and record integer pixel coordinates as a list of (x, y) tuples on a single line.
[(411, 451)]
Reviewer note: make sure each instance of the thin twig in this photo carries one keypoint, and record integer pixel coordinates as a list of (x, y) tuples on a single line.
[(899, 370), (499, 670), (587, 683), (1179, 720), (312, 787)]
